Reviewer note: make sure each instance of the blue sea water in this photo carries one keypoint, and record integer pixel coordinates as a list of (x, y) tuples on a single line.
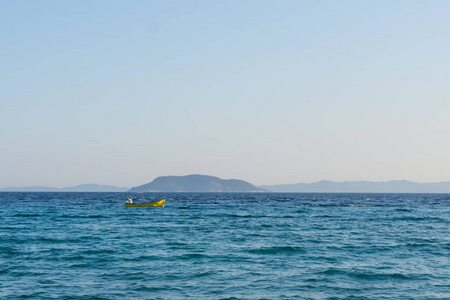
[(225, 246)]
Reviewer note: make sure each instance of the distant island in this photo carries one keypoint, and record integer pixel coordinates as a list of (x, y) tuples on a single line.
[(211, 184), (393, 186), (197, 183)]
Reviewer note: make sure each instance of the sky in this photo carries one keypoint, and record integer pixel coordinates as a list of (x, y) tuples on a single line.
[(271, 92)]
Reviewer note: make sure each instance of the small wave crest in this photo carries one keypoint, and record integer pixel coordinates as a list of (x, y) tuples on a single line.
[(277, 250)]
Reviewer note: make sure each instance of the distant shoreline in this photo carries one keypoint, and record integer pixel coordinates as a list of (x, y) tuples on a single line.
[(210, 184), (267, 192)]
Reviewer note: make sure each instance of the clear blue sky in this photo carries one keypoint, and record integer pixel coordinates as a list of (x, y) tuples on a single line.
[(120, 92)]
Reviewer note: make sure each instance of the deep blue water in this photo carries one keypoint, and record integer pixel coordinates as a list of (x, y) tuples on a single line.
[(225, 246)]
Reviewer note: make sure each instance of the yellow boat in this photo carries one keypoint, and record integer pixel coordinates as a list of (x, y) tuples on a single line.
[(159, 203)]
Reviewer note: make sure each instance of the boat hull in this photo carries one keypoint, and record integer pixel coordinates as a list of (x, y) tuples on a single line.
[(149, 204)]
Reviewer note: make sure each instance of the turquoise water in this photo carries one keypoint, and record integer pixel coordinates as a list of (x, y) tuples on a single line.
[(225, 246)]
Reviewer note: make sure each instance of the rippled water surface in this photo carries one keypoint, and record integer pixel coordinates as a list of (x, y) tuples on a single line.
[(225, 246)]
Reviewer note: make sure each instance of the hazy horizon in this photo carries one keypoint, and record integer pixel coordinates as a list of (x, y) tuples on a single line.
[(286, 183), (121, 92)]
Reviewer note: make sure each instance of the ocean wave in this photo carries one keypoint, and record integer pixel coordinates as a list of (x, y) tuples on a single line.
[(25, 215), (86, 247), (277, 250)]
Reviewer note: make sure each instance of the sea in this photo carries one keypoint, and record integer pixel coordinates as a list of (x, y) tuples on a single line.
[(225, 246)]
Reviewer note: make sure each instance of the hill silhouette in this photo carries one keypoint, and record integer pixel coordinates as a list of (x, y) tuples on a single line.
[(393, 186), (196, 183), (78, 188)]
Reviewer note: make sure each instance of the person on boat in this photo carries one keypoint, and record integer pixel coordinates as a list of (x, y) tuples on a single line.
[(130, 200)]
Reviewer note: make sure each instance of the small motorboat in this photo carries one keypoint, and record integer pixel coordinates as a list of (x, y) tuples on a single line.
[(159, 203)]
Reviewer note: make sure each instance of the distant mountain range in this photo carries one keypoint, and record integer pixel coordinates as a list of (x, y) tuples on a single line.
[(394, 186), (204, 183), (78, 188), (196, 183)]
